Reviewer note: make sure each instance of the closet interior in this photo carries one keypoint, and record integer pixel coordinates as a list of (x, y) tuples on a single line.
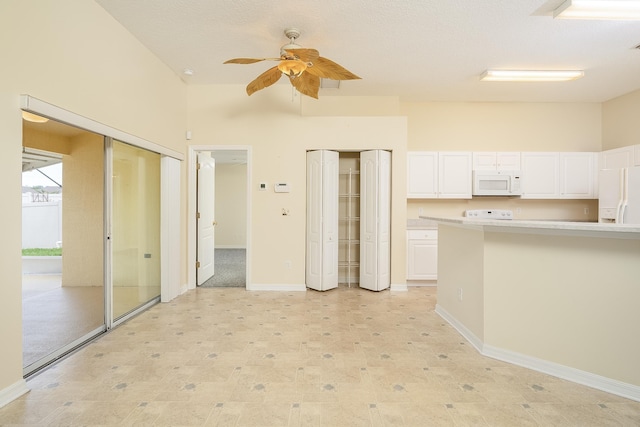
[(349, 218)]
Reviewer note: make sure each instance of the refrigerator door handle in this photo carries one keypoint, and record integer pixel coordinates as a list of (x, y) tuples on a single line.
[(623, 211), (619, 212)]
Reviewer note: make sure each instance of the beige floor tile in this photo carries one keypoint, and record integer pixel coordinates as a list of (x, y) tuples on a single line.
[(347, 357)]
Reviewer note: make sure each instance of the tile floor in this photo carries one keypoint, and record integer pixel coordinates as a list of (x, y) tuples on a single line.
[(347, 357)]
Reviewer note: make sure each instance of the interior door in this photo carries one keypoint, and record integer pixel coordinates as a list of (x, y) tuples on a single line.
[(322, 220), (206, 217), (375, 219)]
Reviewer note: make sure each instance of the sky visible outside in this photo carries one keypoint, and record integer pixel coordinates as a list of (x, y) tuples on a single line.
[(34, 178)]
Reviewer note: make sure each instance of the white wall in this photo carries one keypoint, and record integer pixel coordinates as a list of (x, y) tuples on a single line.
[(620, 121), (41, 225), (503, 126), (72, 54), (271, 123), (231, 205)]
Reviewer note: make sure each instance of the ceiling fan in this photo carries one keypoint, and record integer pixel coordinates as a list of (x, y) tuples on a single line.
[(304, 67)]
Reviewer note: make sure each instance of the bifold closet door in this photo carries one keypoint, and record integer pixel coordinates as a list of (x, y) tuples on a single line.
[(375, 219), (322, 220)]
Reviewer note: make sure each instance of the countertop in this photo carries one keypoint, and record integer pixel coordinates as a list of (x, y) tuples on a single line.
[(594, 229), (420, 224)]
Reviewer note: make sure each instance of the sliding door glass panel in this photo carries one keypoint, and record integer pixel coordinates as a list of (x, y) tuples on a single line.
[(63, 295), (135, 228)]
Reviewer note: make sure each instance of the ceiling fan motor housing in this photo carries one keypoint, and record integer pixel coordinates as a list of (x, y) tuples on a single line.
[(292, 34)]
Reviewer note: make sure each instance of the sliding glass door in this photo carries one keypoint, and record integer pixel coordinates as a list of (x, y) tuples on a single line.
[(135, 228), (63, 287)]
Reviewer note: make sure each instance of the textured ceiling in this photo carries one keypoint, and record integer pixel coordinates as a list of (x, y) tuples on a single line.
[(419, 50)]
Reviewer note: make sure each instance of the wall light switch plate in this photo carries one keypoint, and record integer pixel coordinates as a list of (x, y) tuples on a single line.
[(282, 187)]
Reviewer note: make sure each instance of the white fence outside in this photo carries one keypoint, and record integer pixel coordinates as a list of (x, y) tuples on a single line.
[(42, 224)]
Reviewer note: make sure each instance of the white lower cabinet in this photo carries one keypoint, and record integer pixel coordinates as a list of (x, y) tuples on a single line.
[(422, 254)]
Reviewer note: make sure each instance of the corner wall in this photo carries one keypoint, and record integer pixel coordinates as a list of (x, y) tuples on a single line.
[(72, 54), (620, 121)]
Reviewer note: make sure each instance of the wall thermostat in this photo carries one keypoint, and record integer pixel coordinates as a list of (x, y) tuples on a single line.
[(282, 187)]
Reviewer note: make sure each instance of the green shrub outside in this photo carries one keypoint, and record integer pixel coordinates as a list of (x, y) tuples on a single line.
[(42, 252)]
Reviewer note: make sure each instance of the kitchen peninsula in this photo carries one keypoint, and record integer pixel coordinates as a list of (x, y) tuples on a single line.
[(558, 297)]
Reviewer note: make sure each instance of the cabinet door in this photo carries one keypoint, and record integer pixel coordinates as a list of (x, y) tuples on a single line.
[(422, 175), (540, 175), (454, 175), (508, 161), (422, 255), (484, 161), (577, 179), (617, 158), (636, 155)]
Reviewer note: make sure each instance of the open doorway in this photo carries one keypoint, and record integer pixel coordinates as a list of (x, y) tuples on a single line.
[(222, 250), (63, 292)]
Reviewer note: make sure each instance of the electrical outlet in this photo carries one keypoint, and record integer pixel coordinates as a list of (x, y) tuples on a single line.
[(420, 211), (460, 294), (518, 211), (586, 211)]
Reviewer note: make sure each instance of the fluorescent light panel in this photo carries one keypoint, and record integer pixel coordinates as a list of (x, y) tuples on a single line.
[(530, 75), (598, 9)]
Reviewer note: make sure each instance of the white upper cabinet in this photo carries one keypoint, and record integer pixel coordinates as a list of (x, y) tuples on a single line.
[(422, 175), (496, 161), (432, 175), (552, 175), (636, 155), (540, 175), (454, 175), (617, 158), (578, 177)]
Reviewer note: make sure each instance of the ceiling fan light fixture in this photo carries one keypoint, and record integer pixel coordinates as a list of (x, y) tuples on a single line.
[(530, 75), (598, 9), (292, 67)]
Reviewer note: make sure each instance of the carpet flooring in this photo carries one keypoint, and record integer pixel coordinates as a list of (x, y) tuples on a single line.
[(230, 269)]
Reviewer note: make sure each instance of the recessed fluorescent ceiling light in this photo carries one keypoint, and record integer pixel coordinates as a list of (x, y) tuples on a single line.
[(598, 9), (530, 75)]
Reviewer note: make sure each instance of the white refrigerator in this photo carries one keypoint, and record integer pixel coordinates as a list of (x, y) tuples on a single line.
[(619, 196)]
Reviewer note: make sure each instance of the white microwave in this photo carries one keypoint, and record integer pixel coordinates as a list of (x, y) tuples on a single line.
[(496, 183)]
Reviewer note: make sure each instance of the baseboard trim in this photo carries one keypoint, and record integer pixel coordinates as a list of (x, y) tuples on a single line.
[(276, 287), (399, 287), (578, 376), (608, 385), (463, 330), (13, 392)]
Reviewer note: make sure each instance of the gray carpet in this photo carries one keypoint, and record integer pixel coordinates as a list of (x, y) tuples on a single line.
[(230, 269)]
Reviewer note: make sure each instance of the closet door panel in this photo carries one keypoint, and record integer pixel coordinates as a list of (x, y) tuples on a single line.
[(375, 191), (322, 220)]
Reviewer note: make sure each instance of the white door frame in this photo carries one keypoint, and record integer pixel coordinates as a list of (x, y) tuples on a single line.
[(192, 198)]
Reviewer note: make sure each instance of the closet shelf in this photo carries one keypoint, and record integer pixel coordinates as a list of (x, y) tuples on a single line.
[(349, 264), (351, 241)]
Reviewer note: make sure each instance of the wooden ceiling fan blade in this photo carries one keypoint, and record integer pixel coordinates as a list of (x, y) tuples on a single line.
[(307, 84), (265, 79), (327, 69), (305, 55), (248, 60)]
